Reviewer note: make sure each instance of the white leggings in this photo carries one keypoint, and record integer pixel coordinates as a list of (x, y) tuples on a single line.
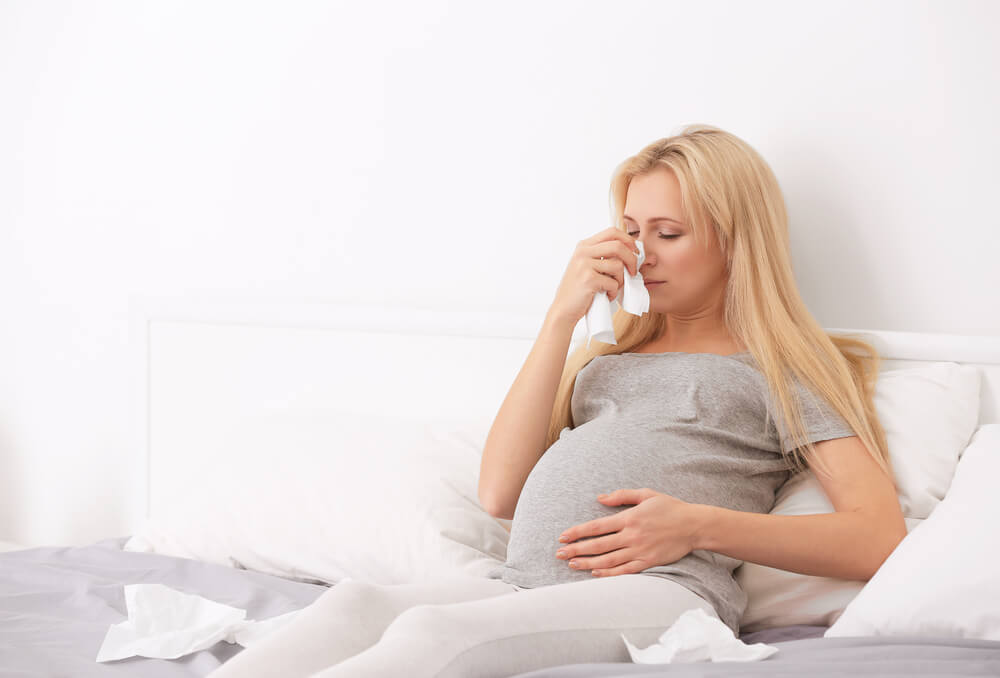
[(465, 627)]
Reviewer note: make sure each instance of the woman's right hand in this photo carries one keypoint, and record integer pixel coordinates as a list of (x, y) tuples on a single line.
[(587, 274)]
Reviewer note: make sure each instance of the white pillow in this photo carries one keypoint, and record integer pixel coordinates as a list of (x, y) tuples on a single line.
[(929, 413), (783, 598), (942, 579), (326, 495)]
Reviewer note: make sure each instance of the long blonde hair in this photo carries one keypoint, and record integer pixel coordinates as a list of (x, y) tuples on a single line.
[(729, 192)]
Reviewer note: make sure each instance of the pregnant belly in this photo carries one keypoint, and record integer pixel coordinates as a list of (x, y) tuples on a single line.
[(555, 497)]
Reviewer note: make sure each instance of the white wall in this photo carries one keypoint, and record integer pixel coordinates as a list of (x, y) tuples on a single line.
[(446, 154)]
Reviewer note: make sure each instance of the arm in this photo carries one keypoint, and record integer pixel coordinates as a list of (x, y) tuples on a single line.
[(851, 543), (845, 545), (516, 440)]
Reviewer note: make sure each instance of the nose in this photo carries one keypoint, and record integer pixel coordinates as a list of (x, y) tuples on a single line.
[(649, 259)]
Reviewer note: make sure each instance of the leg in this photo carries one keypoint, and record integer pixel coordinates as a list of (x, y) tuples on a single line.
[(345, 620), (536, 628)]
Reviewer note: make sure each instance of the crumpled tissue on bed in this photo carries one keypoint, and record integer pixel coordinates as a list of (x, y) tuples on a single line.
[(697, 636), (165, 623), (634, 299)]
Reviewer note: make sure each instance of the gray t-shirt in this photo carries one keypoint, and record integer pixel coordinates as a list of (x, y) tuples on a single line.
[(691, 425)]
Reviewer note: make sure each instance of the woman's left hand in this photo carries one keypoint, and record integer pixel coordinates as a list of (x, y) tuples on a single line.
[(658, 530)]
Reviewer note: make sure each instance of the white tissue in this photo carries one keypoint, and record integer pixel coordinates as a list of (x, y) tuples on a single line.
[(635, 300), (697, 636), (165, 623)]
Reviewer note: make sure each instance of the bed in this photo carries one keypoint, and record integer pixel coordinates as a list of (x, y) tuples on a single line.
[(260, 427)]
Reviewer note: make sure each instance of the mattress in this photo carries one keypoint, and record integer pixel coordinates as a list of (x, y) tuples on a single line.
[(56, 604)]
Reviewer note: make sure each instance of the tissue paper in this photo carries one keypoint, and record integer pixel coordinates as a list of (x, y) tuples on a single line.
[(635, 300), (697, 636), (165, 623)]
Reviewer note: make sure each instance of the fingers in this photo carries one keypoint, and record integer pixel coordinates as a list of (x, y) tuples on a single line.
[(608, 233), (601, 560), (619, 251), (613, 269)]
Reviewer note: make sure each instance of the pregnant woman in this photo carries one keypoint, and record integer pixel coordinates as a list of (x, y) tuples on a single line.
[(639, 475)]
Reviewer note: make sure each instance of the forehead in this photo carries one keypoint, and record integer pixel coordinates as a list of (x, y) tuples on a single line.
[(656, 193)]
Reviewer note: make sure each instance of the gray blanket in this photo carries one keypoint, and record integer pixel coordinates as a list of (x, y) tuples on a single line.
[(56, 604), (822, 658)]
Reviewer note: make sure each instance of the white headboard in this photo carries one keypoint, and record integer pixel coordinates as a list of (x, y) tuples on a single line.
[(201, 365)]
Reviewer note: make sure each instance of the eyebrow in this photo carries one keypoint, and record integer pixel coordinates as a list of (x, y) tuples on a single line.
[(654, 220)]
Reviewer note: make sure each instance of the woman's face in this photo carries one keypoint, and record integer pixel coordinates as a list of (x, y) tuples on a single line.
[(693, 275)]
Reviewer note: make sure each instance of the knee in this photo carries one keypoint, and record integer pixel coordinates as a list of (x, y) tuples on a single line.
[(436, 620), (349, 593)]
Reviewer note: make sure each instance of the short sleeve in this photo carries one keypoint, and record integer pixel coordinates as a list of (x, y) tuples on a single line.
[(820, 420)]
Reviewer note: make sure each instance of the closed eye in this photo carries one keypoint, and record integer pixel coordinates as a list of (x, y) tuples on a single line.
[(665, 237)]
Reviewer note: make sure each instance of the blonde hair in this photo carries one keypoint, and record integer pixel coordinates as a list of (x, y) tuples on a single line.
[(729, 192)]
